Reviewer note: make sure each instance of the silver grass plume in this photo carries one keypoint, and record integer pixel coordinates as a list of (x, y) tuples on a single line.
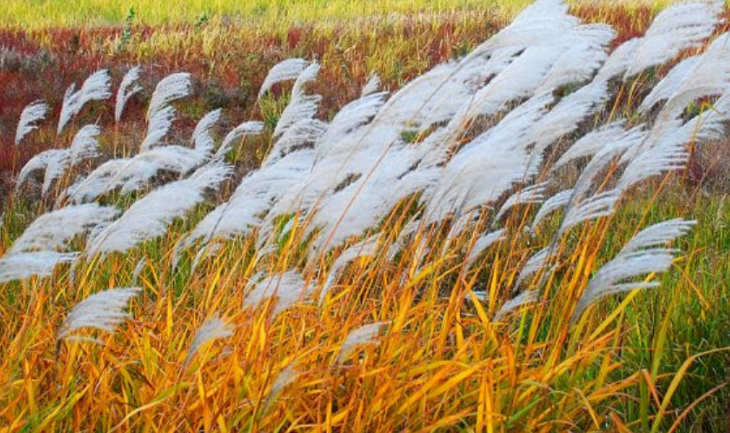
[(599, 205), (708, 78), (286, 70), (680, 26), (287, 288), (150, 216), (212, 329), (286, 377), (303, 133), (581, 60), (38, 162), (53, 230), (239, 132), (618, 61), (533, 265), (138, 171), (483, 243), (539, 23), (96, 88), (645, 253), (22, 266), (170, 88), (158, 125), (33, 113), (489, 165), (665, 88), (609, 151), (366, 334), (103, 311), (128, 88), (594, 141), (301, 106), (552, 204), (202, 140), (95, 184), (366, 248), (527, 297), (252, 198), (84, 145), (530, 195), (372, 85)]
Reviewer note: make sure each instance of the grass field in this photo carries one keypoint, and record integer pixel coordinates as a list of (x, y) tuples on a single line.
[(274, 15), (383, 317)]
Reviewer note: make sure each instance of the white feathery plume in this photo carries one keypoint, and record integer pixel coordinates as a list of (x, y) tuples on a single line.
[(533, 265), (158, 125), (202, 140), (35, 112), (286, 70), (582, 59), (436, 95), (540, 23), (84, 145), (518, 80), (95, 184), (529, 296), (239, 132), (285, 378), (644, 254), (96, 88), (365, 248), (138, 171), (488, 166), (252, 199), (565, 118), (22, 266), (354, 209), (103, 311), (372, 85), (344, 131), (150, 216), (128, 88), (301, 106), (610, 149), (676, 28), (552, 204), (170, 88), (618, 61), (366, 334), (709, 77), (665, 88), (38, 162), (287, 288), (57, 163), (203, 253), (531, 194), (483, 243), (594, 141), (664, 151), (53, 230), (599, 205), (141, 264), (303, 133), (212, 329)]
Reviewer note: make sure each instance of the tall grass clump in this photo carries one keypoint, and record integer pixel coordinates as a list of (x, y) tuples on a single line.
[(484, 249)]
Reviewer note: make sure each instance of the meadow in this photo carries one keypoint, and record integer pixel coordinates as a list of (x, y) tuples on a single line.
[(349, 216)]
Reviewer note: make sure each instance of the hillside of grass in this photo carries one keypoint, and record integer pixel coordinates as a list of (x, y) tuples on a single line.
[(393, 243)]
